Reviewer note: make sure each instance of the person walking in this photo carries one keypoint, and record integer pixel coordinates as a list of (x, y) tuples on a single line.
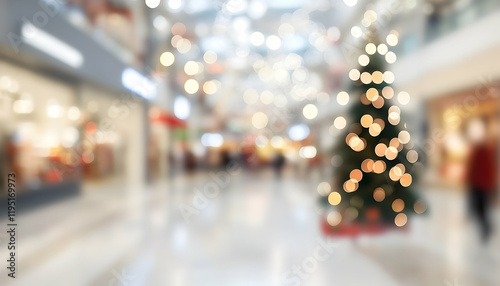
[(482, 174)]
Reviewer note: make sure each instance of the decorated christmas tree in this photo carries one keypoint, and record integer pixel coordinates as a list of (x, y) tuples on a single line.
[(374, 184)]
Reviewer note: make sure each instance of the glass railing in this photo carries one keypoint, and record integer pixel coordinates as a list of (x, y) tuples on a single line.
[(437, 27), (460, 17), (77, 17)]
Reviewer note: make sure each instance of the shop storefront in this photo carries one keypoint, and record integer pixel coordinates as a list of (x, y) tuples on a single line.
[(69, 107), (448, 142), (39, 130)]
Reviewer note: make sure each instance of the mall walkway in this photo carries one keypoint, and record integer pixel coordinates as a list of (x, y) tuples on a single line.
[(252, 232)]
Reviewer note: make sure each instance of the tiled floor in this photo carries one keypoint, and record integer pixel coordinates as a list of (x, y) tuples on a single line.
[(254, 230)]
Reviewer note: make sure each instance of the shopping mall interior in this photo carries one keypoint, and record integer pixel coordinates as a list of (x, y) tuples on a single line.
[(249, 142)]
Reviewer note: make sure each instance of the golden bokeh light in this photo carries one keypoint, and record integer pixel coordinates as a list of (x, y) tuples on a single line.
[(350, 186), (380, 149), (334, 198), (343, 98), (380, 122), (334, 218), (183, 46), (370, 48), (372, 94), (388, 92), (393, 176), (175, 39), (398, 205), (340, 122), (259, 120), (273, 42), (367, 165), (366, 78), (363, 60), (355, 140), (167, 59), (382, 49), (379, 167), (396, 172), (400, 220), (210, 87), (366, 120), (390, 57), (394, 120), (365, 100), (191, 68), (394, 143), (370, 16), (412, 156), (191, 86), (394, 113), (310, 111), (360, 145), (377, 77), (404, 97), (402, 168), (388, 77), (210, 57), (354, 74), (349, 137), (404, 137), (392, 39), (406, 180), (356, 175), (257, 39), (374, 130), (378, 103), (391, 153), (379, 194)]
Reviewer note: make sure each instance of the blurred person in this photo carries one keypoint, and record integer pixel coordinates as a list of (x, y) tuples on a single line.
[(481, 172), (249, 156), (277, 163), (225, 158), (189, 161)]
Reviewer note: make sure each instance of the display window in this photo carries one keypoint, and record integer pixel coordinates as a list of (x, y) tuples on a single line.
[(105, 115), (39, 128), (451, 120)]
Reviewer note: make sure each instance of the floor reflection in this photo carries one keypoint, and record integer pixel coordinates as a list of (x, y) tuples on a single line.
[(255, 230)]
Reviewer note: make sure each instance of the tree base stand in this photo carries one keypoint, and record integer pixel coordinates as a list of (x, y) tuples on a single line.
[(357, 229)]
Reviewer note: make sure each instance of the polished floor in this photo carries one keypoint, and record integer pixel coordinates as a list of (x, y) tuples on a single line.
[(252, 229)]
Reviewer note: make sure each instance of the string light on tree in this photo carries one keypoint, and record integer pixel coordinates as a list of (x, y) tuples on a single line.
[(382, 49), (343, 98), (354, 74), (340, 122), (375, 182)]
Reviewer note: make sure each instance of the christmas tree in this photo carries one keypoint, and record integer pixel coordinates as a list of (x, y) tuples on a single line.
[(374, 183)]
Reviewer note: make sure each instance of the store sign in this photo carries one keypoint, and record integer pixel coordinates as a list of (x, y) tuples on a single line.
[(138, 83)]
